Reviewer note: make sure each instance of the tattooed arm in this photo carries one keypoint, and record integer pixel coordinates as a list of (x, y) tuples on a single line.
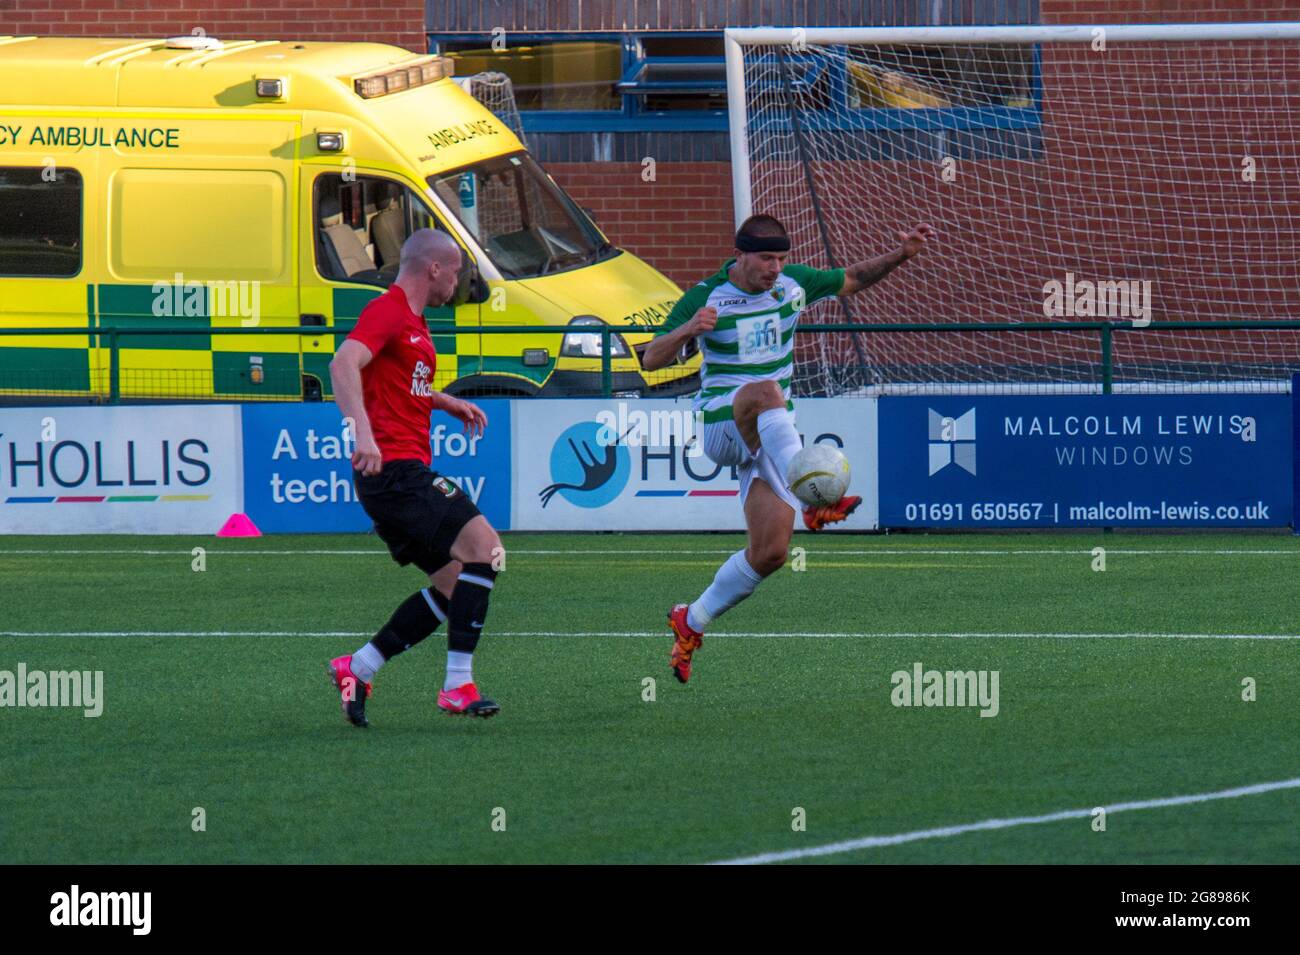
[(868, 272)]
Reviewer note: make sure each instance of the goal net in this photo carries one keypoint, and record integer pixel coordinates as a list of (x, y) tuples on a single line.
[(1136, 175), (495, 92)]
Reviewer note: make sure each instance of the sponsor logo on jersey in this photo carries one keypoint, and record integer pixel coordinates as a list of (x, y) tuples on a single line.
[(420, 385)]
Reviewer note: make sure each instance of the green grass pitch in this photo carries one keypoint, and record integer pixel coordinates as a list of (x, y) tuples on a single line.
[(789, 707)]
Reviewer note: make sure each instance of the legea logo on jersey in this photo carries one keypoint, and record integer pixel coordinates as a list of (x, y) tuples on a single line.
[(952, 441), (586, 468)]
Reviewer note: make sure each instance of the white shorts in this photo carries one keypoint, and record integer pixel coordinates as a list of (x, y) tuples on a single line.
[(724, 445)]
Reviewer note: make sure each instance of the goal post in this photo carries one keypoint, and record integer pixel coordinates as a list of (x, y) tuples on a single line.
[(1127, 173), (496, 92)]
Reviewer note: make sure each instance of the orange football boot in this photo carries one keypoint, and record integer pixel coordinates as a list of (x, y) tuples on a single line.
[(815, 518), (686, 643)]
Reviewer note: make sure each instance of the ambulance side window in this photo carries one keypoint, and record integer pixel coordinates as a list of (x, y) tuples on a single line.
[(361, 223), (40, 222)]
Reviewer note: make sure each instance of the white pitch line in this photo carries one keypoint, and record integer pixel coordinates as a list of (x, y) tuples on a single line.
[(189, 553), (873, 842), (893, 552), (184, 633), (955, 635), (949, 551)]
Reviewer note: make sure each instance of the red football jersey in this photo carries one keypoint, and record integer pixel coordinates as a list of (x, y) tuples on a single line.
[(397, 385)]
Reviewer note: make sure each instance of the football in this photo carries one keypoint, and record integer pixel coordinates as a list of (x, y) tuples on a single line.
[(818, 475)]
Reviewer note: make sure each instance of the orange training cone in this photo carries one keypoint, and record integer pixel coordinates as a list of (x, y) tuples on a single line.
[(238, 525)]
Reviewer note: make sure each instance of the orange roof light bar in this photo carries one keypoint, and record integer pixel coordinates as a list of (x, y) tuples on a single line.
[(406, 76)]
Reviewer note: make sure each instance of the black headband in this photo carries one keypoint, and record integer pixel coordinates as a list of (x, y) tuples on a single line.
[(762, 243)]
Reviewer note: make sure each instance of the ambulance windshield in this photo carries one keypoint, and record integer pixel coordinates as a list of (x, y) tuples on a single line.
[(527, 225)]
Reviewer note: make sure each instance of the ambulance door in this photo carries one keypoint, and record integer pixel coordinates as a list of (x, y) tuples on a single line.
[(199, 235), (47, 213), (355, 223)]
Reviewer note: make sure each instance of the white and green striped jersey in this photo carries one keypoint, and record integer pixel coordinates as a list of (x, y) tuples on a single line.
[(754, 337)]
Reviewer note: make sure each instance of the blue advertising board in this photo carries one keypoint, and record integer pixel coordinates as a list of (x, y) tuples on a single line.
[(298, 471), (1210, 460), (1295, 458)]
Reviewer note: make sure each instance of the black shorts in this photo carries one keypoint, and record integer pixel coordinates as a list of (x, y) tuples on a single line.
[(417, 512)]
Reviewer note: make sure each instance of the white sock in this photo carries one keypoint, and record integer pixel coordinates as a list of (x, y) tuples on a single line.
[(460, 669), (366, 662), (734, 581), (778, 437)]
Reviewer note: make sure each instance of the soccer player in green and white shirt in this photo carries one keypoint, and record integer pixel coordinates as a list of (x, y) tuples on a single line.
[(744, 317)]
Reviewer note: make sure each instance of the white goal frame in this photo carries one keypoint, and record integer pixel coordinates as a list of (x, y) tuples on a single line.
[(736, 38)]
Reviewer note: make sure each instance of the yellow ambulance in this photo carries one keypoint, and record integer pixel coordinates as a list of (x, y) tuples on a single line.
[(188, 183)]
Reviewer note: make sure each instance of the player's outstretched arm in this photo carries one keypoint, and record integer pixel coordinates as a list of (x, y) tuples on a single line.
[(868, 272)]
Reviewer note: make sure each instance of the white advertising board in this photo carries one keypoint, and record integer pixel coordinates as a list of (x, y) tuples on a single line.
[(155, 469), (612, 464)]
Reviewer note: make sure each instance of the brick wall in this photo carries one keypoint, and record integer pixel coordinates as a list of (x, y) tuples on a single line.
[(400, 22), (1168, 11), (681, 222)]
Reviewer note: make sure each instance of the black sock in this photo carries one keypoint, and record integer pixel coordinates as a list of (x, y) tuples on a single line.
[(469, 604), (417, 617)]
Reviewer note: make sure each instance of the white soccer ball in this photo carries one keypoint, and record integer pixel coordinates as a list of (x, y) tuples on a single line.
[(818, 475)]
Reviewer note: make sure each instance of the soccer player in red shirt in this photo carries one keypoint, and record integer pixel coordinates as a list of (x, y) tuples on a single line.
[(383, 381)]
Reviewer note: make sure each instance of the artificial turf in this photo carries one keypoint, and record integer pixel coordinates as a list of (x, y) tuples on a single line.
[(227, 706)]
